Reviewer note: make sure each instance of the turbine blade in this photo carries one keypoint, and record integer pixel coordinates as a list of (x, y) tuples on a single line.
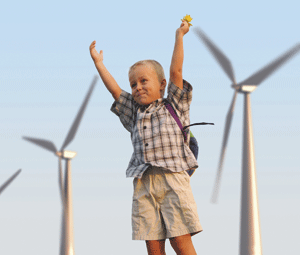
[(218, 54), (77, 120), (266, 71), (48, 145), (4, 186), (223, 149)]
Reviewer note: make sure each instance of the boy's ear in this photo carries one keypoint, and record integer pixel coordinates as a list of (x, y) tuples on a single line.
[(163, 84)]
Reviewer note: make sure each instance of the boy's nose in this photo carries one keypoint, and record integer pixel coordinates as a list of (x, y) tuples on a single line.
[(138, 86)]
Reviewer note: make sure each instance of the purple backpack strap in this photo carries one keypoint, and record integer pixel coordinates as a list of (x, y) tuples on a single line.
[(174, 115)]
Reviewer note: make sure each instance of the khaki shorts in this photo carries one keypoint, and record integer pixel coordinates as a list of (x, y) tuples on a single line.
[(163, 206)]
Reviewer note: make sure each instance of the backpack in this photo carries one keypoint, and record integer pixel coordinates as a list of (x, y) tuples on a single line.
[(193, 141)]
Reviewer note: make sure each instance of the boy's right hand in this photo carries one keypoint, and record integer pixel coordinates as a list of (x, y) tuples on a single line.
[(184, 28), (97, 57)]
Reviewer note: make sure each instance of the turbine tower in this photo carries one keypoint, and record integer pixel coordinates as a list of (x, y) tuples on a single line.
[(65, 180), (250, 239), (5, 184)]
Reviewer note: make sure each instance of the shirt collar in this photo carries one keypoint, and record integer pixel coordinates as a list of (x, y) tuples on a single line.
[(154, 104)]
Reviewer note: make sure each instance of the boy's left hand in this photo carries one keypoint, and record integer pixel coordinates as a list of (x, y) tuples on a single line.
[(184, 28)]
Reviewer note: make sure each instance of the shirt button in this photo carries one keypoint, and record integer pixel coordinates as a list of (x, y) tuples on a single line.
[(145, 127), (146, 144)]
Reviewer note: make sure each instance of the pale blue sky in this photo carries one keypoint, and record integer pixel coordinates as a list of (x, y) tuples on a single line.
[(45, 72)]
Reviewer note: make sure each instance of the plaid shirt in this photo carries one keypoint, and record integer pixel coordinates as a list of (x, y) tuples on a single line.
[(156, 138)]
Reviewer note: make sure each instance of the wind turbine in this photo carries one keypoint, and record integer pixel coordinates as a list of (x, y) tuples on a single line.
[(65, 181), (4, 185), (250, 240)]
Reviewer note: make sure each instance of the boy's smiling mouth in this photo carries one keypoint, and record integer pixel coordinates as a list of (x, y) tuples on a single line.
[(141, 94)]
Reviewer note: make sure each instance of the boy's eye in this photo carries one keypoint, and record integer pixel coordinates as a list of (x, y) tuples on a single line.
[(143, 80), (133, 85)]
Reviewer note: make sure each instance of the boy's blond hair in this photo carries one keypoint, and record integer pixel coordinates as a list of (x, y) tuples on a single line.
[(157, 68)]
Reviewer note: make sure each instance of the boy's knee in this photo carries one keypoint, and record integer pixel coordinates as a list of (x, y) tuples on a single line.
[(156, 247), (183, 245)]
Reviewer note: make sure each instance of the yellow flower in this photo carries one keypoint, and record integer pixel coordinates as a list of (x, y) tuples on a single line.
[(188, 19)]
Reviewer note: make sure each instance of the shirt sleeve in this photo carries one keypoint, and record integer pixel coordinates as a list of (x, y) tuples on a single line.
[(125, 109), (180, 98)]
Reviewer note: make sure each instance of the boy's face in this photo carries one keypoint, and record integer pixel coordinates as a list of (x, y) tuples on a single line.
[(144, 83)]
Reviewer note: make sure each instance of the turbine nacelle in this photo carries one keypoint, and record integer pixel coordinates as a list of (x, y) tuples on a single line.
[(66, 154), (244, 88)]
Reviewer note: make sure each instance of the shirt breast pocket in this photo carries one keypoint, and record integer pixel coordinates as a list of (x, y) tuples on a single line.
[(166, 126), (158, 123)]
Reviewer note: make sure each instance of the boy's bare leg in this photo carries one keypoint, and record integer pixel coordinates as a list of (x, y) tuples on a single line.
[(156, 247), (183, 245)]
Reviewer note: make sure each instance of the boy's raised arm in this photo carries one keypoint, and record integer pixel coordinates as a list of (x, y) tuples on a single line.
[(106, 77), (177, 58)]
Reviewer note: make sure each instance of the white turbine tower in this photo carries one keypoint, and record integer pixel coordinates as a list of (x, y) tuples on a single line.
[(250, 240), (65, 180), (5, 185)]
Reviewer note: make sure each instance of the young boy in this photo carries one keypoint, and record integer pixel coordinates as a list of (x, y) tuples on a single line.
[(163, 204)]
